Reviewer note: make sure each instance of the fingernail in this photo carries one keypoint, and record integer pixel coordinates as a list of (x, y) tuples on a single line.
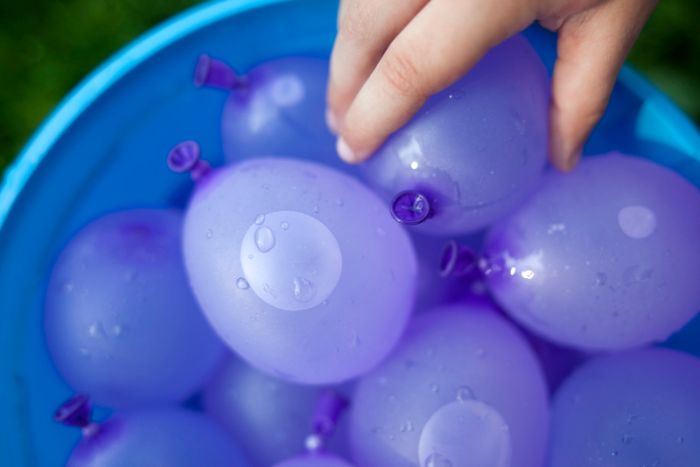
[(344, 151), (331, 122)]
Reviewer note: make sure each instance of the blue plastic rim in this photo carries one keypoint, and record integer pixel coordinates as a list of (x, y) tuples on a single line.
[(104, 148)]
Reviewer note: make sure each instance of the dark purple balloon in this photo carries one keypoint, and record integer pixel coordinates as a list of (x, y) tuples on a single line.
[(607, 257), (474, 151)]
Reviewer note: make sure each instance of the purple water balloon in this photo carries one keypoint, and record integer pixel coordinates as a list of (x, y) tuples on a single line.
[(315, 460), (604, 258), (270, 418), (299, 268), (160, 436), (452, 354), (474, 151), (639, 408), (278, 108), (120, 320)]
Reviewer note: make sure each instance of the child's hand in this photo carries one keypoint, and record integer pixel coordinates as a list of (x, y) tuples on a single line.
[(390, 55)]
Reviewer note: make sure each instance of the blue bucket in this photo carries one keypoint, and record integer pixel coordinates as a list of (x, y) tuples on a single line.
[(104, 149)]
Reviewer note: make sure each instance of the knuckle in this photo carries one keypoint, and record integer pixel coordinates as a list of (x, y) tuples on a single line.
[(401, 72)]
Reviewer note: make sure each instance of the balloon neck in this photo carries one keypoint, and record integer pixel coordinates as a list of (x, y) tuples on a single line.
[(330, 406), (460, 261), (185, 157), (411, 207), (214, 73), (77, 412)]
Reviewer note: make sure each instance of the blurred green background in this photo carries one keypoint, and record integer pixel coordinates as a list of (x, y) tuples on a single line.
[(47, 46)]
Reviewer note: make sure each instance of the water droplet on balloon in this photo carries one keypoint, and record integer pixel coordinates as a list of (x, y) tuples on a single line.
[(601, 279), (614, 453), (680, 440), (304, 289), (627, 439), (381, 232), (456, 94), (241, 283), (260, 219), (96, 330), (637, 221), (117, 330), (465, 393), (68, 287), (316, 210), (284, 225), (210, 233), (436, 460), (434, 388), (264, 239), (339, 202), (313, 442), (355, 340)]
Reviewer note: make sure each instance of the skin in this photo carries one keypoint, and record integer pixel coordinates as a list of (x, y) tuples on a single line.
[(391, 55)]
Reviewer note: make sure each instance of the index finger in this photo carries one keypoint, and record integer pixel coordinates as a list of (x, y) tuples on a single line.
[(439, 46)]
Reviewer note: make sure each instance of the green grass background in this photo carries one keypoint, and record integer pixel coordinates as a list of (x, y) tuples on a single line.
[(47, 46)]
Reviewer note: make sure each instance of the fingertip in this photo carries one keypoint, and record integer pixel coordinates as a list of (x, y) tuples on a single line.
[(349, 153), (563, 155)]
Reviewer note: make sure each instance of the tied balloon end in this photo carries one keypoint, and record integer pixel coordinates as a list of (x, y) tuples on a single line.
[(77, 412), (185, 157), (411, 207), (459, 261), (213, 73), (329, 408)]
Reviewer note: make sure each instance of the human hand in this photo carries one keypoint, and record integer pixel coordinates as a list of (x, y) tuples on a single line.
[(391, 55)]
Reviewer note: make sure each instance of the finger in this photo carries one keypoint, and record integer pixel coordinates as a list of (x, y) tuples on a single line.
[(591, 49), (440, 45), (365, 29)]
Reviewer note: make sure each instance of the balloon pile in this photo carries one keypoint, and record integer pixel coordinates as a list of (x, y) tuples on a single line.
[(476, 310)]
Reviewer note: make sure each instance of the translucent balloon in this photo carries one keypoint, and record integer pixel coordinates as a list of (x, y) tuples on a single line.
[(270, 418), (277, 108), (451, 353), (315, 460), (633, 409), (170, 437), (465, 433), (604, 258), (299, 268), (120, 319), (475, 150)]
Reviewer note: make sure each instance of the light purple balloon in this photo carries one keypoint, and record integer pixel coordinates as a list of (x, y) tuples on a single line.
[(299, 268), (120, 319), (451, 353), (604, 258), (270, 418), (277, 108), (633, 409), (170, 437), (315, 460), (475, 150)]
